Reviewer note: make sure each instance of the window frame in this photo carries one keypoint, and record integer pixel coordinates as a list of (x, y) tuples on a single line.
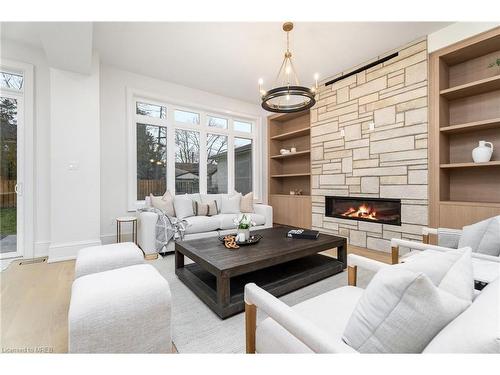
[(25, 155), (135, 95)]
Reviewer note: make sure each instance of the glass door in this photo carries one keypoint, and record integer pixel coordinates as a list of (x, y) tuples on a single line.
[(10, 164)]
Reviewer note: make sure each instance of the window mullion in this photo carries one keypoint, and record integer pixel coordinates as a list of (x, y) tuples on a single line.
[(170, 151), (230, 164), (203, 155)]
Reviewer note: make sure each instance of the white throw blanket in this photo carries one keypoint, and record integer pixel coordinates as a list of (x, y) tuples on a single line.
[(167, 228)]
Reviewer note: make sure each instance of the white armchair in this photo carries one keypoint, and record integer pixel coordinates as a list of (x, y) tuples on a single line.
[(307, 327), (318, 324), (486, 267)]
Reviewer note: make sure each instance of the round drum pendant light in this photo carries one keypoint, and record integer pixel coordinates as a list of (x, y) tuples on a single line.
[(288, 95)]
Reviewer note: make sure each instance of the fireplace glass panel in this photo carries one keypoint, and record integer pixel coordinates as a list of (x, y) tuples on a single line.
[(378, 210)]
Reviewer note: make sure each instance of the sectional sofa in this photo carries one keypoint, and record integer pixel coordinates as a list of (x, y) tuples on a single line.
[(201, 226)]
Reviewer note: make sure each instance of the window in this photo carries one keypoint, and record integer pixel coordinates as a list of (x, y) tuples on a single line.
[(151, 110), (216, 164), (243, 165), (11, 81), (241, 126), (187, 162), (217, 122), (151, 160), (187, 117), (16, 159), (187, 150)]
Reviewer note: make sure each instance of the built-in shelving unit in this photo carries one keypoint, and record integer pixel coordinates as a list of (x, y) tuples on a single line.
[(465, 108), (290, 172)]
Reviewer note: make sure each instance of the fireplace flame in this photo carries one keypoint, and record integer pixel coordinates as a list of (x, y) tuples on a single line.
[(363, 212)]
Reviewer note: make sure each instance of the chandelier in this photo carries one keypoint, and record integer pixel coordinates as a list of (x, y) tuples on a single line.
[(288, 95)]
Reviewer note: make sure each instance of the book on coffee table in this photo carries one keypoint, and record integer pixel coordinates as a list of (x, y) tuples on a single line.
[(303, 233)]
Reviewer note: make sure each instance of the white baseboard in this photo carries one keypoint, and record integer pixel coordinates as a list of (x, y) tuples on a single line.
[(5, 263), (68, 251), (111, 238), (42, 249)]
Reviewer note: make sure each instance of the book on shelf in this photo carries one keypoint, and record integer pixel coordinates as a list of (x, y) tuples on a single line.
[(303, 233)]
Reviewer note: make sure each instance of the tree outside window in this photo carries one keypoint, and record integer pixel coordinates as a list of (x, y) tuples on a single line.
[(151, 160)]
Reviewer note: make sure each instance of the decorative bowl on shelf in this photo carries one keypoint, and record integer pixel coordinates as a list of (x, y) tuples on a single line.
[(284, 151)]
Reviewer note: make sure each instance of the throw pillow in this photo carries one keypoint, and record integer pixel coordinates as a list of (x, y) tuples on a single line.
[(482, 237), (206, 209), (165, 203), (230, 204), (406, 305), (183, 207), (246, 204), (400, 312), (450, 271), (208, 198)]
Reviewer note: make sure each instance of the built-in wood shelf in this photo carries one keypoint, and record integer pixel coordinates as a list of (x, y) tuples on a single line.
[(291, 154), (290, 175), (495, 163), (291, 134), (469, 203), (471, 126), (473, 88), (291, 195)]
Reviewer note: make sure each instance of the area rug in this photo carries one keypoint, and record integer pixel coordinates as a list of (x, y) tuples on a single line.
[(196, 329)]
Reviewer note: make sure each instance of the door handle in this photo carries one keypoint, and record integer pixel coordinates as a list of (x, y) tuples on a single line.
[(18, 188)]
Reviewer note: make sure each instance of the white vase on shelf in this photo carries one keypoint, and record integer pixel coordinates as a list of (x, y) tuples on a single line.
[(482, 153)]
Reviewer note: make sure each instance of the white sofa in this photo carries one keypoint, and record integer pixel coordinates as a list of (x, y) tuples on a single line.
[(317, 325), (200, 226)]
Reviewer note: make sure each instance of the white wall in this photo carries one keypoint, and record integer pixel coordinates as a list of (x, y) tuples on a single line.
[(457, 32), (114, 83), (41, 126), (75, 161)]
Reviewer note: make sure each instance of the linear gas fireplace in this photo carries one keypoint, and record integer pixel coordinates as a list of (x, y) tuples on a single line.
[(378, 210)]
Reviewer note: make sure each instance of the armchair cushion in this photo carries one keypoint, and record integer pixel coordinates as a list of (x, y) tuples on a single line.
[(482, 237), (329, 312), (402, 309)]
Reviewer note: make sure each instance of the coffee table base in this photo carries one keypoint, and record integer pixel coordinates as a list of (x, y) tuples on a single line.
[(277, 280)]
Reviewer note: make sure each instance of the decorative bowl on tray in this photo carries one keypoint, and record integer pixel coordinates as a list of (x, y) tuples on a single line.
[(252, 240)]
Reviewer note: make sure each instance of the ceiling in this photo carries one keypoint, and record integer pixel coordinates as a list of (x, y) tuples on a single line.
[(229, 58)]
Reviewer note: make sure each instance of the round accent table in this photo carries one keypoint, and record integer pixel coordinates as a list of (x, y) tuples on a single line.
[(126, 219)]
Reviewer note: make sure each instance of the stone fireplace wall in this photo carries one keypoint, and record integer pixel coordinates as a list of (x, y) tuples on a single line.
[(369, 139)]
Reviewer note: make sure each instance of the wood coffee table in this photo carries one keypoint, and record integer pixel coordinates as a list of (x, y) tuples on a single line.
[(277, 264)]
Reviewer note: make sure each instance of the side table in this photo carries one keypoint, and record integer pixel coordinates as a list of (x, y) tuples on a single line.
[(126, 219)]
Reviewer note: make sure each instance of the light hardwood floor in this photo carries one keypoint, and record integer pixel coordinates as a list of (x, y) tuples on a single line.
[(34, 301)]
